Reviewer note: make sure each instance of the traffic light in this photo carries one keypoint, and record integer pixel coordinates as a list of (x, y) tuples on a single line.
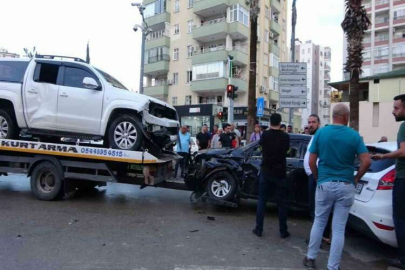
[(221, 115), (230, 91)]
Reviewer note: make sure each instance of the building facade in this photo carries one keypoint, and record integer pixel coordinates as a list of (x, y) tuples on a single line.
[(5, 53), (384, 42), (318, 61), (186, 54)]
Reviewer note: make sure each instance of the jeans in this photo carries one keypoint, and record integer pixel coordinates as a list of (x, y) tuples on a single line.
[(267, 186), (398, 207), (338, 196), (311, 196), (182, 162)]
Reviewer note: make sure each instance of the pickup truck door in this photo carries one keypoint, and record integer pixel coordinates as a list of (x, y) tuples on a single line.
[(79, 108), (41, 95)]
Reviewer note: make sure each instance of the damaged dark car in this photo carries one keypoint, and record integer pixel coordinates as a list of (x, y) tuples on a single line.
[(229, 174)]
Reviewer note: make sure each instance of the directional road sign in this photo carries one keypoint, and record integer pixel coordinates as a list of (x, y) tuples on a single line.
[(293, 68), (260, 107), (297, 91), (292, 79), (291, 102)]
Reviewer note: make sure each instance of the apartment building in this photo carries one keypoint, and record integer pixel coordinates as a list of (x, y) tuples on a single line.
[(384, 42), (186, 55), (5, 53), (318, 59)]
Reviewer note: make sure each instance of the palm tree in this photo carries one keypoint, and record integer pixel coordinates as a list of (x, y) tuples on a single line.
[(355, 24), (251, 117)]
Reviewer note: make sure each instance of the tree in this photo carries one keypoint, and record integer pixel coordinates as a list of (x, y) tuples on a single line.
[(251, 117), (355, 24), (31, 54)]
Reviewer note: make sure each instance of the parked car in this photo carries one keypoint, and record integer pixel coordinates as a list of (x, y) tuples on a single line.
[(70, 98), (233, 173), (371, 212)]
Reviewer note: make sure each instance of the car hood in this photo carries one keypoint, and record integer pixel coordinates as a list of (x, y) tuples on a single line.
[(138, 98), (215, 152)]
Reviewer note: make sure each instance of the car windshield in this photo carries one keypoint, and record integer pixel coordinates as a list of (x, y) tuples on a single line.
[(113, 81)]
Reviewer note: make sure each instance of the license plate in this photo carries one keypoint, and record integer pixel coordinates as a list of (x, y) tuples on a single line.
[(359, 188)]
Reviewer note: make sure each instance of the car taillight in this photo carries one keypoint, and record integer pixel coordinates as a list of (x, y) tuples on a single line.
[(387, 181), (383, 227)]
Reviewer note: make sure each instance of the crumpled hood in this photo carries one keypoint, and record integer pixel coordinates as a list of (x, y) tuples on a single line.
[(139, 98), (215, 152)]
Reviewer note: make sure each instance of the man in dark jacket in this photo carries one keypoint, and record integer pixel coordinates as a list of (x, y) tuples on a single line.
[(275, 144)]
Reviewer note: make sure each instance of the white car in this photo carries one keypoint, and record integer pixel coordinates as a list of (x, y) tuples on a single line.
[(371, 212)]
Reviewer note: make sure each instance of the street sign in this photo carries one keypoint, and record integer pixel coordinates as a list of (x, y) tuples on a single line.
[(293, 68), (260, 107), (293, 102), (292, 79), (296, 91)]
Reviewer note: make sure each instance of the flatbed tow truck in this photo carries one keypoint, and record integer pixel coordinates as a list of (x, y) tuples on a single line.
[(58, 169)]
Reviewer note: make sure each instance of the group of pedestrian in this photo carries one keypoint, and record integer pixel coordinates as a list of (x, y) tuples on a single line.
[(330, 166)]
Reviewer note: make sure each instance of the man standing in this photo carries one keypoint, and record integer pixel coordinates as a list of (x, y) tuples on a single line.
[(289, 129), (203, 138), (214, 131), (227, 137), (215, 143), (313, 125), (398, 193), (275, 145), (283, 128), (337, 147), (183, 146)]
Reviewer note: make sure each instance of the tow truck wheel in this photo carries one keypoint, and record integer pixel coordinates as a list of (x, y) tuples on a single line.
[(222, 186), (8, 127), (46, 182), (125, 134)]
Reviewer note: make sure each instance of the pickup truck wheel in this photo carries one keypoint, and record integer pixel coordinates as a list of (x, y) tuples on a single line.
[(46, 182), (125, 134), (222, 185), (8, 128)]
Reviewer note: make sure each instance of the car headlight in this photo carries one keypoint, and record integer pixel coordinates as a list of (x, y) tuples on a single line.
[(173, 138)]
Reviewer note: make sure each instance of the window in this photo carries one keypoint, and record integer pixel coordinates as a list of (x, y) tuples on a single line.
[(266, 35), (176, 29), (265, 82), (381, 69), (46, 73), (266, 59), (188, 100), (157, 54), (367, 55), (190, 3), (190, 50), (376, 114), (399, 14), (240, 14), (175, 78), (189, 26), (74, 77), (174, 101), (380, 53), (176, 54), (267, 13), (176, 6), (275, 60), (155, 8), (189, 76), (207, 71), (11, 71), (274, 83)]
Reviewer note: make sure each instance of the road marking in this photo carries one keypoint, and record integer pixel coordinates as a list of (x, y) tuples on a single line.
[(206, 267)]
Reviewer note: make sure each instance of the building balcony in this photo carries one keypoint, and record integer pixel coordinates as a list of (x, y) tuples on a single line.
[(327, 68), (274, 49), (275, 4), (211, 85), (146, 2), (156, 91), (327, 56), (239, 31), (157, 66), (273, 71), (399, 2), (206, 8), (381, 4), (158, 20), (240, 56), (211, 30), (400, 20), (275, 28), (157, 39), (274, 95)]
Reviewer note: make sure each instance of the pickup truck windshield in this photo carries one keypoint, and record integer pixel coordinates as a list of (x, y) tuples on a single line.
[(114, 82)]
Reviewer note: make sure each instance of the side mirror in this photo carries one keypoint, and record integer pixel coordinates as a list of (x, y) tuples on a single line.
[(91, 83)]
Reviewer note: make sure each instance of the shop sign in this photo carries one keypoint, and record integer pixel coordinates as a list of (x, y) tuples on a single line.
[(195, 110)]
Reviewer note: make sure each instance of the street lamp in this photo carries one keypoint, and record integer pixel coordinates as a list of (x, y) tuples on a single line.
[(145, 32)]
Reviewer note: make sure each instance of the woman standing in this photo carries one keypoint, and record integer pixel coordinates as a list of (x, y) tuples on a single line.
[(256, 135)]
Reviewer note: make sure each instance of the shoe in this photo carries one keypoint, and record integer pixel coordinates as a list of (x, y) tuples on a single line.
[(257, 233), (285, 235), (309, 264), (397, 264), (307, 241)]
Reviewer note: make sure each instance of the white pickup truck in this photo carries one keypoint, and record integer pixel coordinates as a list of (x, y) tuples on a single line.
[(52, 98)]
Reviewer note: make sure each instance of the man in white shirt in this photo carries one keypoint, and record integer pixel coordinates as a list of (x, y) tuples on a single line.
[(314, 124)]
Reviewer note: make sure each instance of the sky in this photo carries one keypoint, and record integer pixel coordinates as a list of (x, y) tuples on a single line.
[(64, 27)]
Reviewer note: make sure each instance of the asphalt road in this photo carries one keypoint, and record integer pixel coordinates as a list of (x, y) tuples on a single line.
[(122, 227)]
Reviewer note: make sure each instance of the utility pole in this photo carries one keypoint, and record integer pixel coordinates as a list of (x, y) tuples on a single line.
[(294, 23), (230, 107)]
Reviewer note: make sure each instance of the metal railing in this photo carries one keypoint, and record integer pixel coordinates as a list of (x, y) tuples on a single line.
[(211, 22), (154, 59), (398, 55), (382, 38), (399, 17), (382, 20), (220, 48), (158, 34)]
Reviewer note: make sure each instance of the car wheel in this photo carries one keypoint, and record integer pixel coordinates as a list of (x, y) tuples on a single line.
[(222, 185), (8, 127), (125, 134)]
